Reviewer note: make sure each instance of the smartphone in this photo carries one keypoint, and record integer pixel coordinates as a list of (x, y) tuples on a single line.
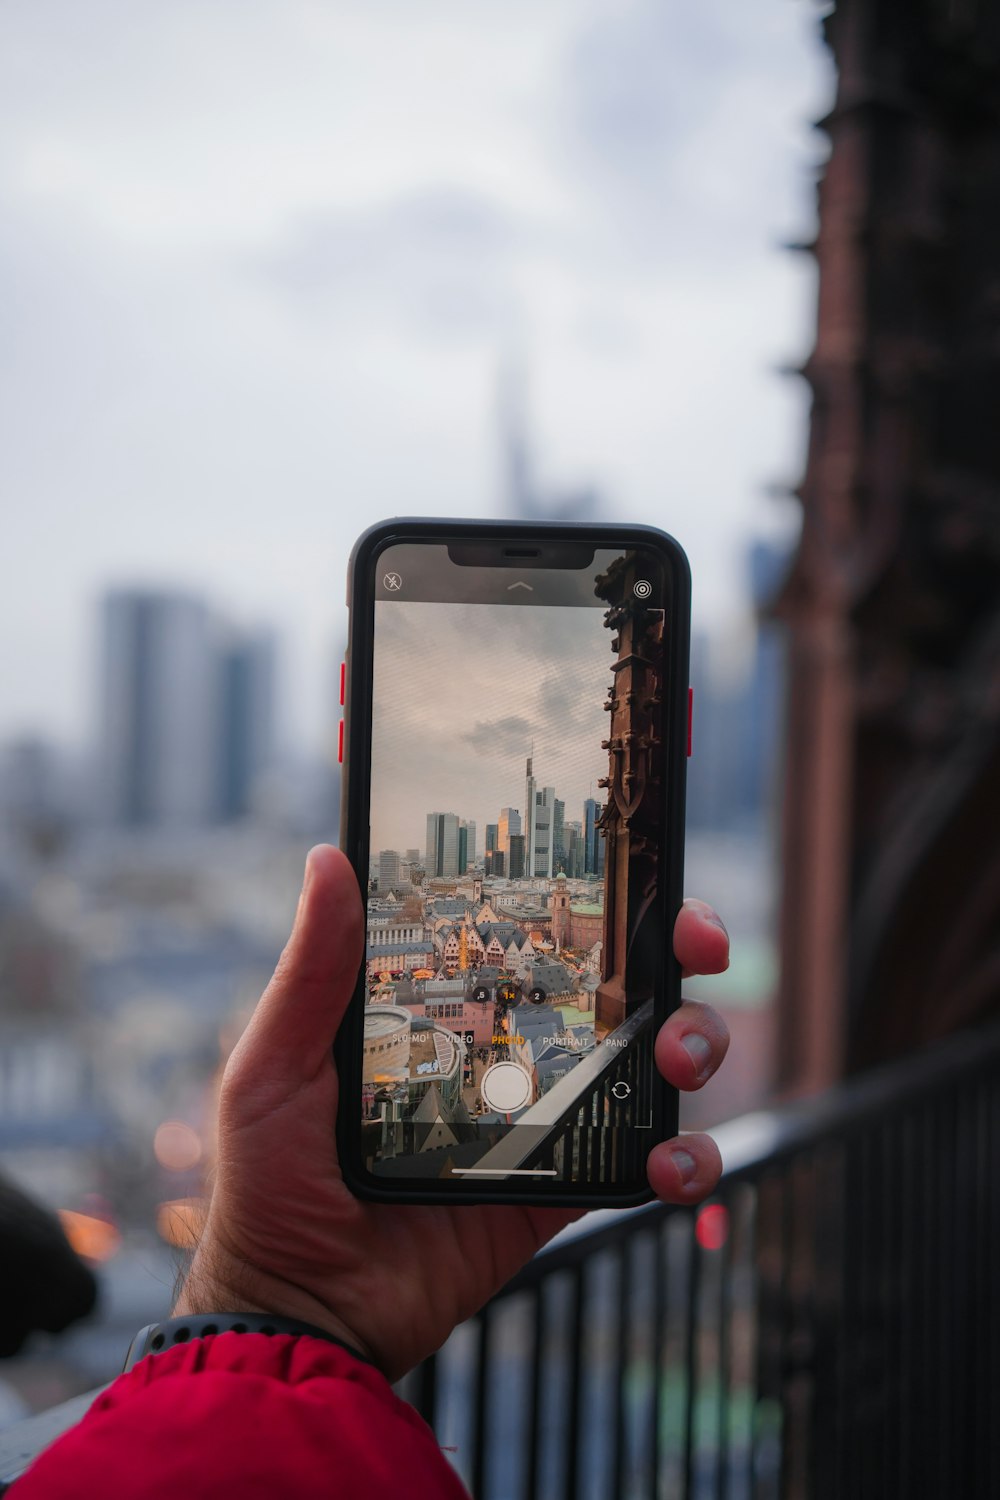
[(514, 756)]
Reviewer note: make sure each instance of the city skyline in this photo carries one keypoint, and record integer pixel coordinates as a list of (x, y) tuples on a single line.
[(545, 673)]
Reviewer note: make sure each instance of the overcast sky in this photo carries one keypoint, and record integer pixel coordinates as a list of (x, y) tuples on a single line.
[(463, 692), (263, 265)]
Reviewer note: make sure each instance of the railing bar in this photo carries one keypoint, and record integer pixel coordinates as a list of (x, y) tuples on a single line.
[(927, 1362), (959, 1261), (907, 1228), (541, 1321), (989, 1332), (967, 1188), (659, 1314), (692, 1281), (877, 1317), (961, 1257), (786, 1313), (870, 1326), (807, 1291), (483, 1383), (843, 1294), (826, 1345), (763, 1305), (724, 1372), (889, 1296), (750, 1311), (979, 1434), (618, 1368), (944, 1269), (993, 1326), (571, 1471), (976, 1434)]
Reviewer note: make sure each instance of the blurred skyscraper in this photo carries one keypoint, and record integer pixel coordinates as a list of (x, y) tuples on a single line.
[(187, 715), (523, 497), (246, 727)]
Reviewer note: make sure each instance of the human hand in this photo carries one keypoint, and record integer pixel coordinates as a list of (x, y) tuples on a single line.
[(284, 1235)]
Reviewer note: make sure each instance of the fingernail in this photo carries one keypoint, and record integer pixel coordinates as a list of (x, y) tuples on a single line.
[(716, 921), (699, 1050), (685, 1164)]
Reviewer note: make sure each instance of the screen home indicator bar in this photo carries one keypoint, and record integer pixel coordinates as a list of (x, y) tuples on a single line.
[(503, 1172)]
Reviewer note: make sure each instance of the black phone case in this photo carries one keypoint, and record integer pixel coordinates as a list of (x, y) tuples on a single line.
[(354, 835)]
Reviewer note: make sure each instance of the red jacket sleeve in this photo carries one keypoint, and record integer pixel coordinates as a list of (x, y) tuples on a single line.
[(262, 1417)]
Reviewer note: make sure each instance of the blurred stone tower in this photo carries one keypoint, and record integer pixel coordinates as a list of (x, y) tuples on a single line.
[(891, 908)]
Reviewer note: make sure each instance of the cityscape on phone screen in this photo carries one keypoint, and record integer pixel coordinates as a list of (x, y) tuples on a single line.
[(517, 825)]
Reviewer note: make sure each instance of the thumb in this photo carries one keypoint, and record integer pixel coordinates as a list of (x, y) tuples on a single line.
[(298, 1015)]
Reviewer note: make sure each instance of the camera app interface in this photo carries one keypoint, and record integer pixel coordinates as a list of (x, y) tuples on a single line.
[(516, 814)]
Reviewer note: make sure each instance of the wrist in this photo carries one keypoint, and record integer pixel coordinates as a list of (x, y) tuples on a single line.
[(218, 1282)]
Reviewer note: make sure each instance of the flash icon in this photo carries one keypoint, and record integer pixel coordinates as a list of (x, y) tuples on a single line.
[(392, 582)]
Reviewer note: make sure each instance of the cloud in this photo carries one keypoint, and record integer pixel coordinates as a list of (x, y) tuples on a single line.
[(508, 736), (438, 261)]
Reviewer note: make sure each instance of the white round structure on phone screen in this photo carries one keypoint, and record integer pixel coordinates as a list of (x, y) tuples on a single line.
[(505, 1087)]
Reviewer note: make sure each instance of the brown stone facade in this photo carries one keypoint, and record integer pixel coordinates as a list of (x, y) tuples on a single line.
[(630, 821), (891, 904)]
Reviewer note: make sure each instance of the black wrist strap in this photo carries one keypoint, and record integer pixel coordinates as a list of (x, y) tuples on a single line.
[(159, 1336)]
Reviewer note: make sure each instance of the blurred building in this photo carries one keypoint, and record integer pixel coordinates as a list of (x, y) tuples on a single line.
[(522, 495), (187, 713), (891, 904), (734, 775), (246, 723)]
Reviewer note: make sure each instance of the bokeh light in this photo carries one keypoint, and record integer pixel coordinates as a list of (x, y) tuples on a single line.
[(179, 1222), (92, 1238), (177, 1146), (712, 1226)]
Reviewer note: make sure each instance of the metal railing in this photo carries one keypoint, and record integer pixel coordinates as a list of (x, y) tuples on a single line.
[(827, 1326)]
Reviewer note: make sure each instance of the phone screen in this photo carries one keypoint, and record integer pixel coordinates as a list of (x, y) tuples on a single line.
[(515, 943)]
